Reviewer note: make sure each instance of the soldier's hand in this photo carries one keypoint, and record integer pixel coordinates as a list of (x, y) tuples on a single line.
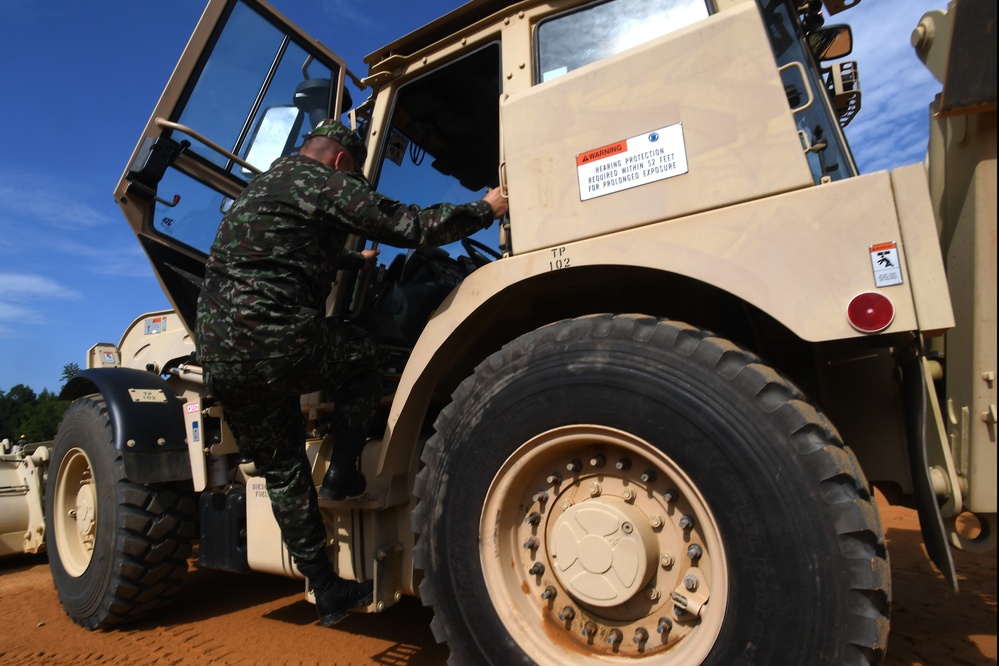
[(370, 258), (497, 201)]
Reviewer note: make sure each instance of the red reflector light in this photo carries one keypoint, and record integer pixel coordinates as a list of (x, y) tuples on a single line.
[(870, 312)]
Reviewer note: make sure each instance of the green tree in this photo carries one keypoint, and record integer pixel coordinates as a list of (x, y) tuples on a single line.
[(13, 405), (69, 371), (40, 421)]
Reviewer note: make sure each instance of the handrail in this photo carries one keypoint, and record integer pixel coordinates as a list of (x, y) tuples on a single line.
[(804, 81), (169, 124)]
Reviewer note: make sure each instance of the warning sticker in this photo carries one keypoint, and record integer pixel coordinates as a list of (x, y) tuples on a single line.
[(640, 160), (887, 267), (156, 325)]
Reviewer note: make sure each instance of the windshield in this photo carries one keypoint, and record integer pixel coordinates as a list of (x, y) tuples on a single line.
[(829, 156)]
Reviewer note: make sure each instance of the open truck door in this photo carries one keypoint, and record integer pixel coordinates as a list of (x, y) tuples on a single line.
[(247, 88)]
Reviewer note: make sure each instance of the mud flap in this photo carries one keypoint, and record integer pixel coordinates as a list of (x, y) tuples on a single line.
[(920, 430)]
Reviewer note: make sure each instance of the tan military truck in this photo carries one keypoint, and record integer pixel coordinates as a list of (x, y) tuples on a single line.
[(22, 489), (642, 423)]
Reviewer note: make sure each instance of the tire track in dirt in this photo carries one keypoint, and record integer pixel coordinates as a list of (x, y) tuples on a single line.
[(229, 620)]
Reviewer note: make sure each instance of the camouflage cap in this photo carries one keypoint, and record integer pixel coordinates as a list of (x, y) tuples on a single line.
[(340, 133)]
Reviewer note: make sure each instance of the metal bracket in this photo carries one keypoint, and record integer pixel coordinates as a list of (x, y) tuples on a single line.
[(388, 576)]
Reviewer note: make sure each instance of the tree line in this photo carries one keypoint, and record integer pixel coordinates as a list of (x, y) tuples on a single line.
[(35, 416)]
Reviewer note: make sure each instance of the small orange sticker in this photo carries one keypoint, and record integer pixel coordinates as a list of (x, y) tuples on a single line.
[(881, 247), (601, 153)]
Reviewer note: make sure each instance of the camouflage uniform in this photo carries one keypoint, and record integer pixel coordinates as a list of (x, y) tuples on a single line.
[(262, 333)]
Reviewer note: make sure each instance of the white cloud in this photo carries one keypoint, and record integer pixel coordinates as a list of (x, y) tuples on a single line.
[(19, 287), (20, 295), (349, 11), (21, 196), (892, 127)]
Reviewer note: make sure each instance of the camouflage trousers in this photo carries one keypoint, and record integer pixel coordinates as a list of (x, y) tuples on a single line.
[(261, 403)]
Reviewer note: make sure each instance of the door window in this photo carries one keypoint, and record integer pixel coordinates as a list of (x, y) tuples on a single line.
[(569, 41)]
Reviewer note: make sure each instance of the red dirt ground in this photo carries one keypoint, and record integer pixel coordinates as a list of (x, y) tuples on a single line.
[(259, 619)]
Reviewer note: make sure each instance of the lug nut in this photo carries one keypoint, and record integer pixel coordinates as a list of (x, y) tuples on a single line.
[(589, 629), (623, 464), (641, 636), (549, 593), (574, 465), (694, 551), (648, 476), (598, 460), (653, 594), (671, 495), (665, 626), (532, 543), (629, 495), (614, 636), (533, 518), (567, 614), (537, 570), (657, 521), (690, 582), (594, 489), (686, 522), (667, 560)]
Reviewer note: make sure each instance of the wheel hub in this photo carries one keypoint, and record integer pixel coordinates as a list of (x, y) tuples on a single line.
[(603, 551), (85, 512), (596, 535)]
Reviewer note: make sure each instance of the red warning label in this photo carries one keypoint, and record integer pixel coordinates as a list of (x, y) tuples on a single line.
[(601, 153)]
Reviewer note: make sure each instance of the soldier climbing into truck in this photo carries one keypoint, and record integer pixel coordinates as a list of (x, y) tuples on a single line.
[(264, 340)]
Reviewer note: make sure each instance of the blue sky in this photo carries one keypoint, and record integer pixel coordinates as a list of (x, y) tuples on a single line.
[(81, 78)]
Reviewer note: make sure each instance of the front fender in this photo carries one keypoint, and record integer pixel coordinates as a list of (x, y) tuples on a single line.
[(147, 421)]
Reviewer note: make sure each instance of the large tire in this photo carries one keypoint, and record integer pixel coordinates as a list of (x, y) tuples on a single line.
[(117, 549), (614, 489)]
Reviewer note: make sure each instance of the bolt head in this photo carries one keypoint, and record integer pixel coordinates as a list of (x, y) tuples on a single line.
[(667, 560), (629, 495), (594, 489), (653, 594), (657, 521)]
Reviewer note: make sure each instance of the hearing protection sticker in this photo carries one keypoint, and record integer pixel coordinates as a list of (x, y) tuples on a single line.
[(640, 160), (887, 267)]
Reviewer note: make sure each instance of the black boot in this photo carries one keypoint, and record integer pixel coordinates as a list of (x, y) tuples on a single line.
[(334, 595), (343, 479), (341, 483)]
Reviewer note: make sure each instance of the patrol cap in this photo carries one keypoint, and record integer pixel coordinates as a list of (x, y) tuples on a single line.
[(340, 133)]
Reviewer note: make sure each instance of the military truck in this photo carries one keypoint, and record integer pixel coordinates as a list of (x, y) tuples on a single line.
[(643, 423), (22, 488)]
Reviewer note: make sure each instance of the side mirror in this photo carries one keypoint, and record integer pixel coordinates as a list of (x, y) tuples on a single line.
[(831, 42)]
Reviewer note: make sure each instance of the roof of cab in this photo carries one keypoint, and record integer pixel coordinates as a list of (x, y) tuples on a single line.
[(466, 15)]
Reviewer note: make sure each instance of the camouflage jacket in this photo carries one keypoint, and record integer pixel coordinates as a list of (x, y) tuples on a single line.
[(279, 247)]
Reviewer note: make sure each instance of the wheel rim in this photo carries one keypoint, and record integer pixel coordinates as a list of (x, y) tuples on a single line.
[(597, 544), (75, 512)]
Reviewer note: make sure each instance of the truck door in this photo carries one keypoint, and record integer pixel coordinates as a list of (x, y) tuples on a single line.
[(692, 120), (247, 88)]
